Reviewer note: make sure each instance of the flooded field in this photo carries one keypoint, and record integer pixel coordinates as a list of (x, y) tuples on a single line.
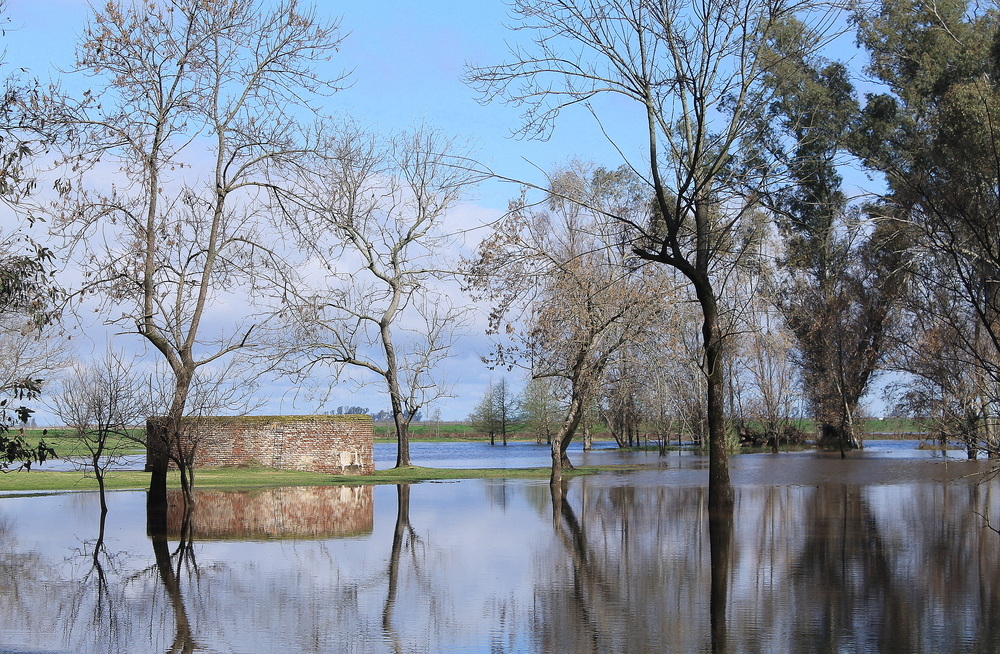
[(893, 549)]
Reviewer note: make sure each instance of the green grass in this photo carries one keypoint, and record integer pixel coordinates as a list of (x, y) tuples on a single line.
[(249, 478), (66, 443)]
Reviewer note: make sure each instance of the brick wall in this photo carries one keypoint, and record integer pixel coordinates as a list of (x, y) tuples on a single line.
[(339, 445)]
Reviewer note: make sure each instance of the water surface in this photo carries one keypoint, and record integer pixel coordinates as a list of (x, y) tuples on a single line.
[(889, 550)]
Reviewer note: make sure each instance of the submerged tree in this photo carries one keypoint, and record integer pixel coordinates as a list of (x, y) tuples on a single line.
[(565, 294), (104, 404), (841, 275), (934, 136), (369, 219), (195, 109), (694, 71)]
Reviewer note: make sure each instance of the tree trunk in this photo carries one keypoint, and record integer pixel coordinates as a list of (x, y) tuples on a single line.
[(402, 440), (163, 438), (560, 461), (837, 436), (720, 489), (392, 382), (157, 462)]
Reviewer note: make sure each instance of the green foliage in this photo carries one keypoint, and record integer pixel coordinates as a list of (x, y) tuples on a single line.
[(14, 450), (933, 134)]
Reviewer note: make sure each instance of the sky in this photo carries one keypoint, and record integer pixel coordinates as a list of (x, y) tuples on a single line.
[(406, 60)]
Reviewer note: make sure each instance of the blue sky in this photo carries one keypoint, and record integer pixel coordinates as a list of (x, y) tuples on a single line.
[(407, 60)]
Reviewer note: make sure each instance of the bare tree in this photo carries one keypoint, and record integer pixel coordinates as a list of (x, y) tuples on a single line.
[(195, 109), (768, 388), (104, 403), (564, 292), (373, 295), (951, 372), (692, 69)]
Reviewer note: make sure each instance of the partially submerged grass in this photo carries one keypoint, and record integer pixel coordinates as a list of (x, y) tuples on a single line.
[(249, 478)]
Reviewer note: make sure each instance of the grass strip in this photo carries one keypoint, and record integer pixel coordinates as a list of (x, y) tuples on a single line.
[(249, 478)]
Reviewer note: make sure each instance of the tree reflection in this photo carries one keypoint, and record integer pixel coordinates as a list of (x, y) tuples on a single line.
[(606, 564), (96, 605), (403, 538), (625, 571), (589, 588), (104, 618), (182, 557), (720, 536)]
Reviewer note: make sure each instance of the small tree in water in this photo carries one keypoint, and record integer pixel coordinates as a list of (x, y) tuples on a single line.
[(102, 404)]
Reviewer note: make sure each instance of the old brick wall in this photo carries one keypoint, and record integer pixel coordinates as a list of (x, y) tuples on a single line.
[(340, 445)]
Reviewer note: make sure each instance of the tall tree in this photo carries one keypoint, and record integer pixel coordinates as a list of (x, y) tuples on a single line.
[(29, 297), (693, 69), (566, 294), (195, 110), (933, 134), (841, 274), (370, 219)]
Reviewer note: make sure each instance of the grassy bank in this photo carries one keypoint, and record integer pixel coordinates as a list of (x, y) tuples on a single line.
[(250, 478), (65, 442)]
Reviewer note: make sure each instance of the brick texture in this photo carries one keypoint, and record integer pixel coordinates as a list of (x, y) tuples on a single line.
[(338, 445)]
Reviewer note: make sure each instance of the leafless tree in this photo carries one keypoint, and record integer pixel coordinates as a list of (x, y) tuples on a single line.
[(949, 363), (692, 70), (768, 387), (195, 108), (373, 295), (104, 403), (565, 295)]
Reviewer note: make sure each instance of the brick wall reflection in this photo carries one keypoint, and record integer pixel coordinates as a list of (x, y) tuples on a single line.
[(298, 512)]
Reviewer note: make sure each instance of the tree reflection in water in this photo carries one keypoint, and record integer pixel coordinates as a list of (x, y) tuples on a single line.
[(793, 569), (608, 563), (720, 537), (614, 586), (403, 538), (169, 567)]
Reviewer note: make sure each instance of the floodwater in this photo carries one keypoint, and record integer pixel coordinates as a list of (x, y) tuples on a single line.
[(891, 550)]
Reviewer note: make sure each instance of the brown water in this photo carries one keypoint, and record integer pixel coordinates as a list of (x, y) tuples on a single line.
[(871, 554)]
